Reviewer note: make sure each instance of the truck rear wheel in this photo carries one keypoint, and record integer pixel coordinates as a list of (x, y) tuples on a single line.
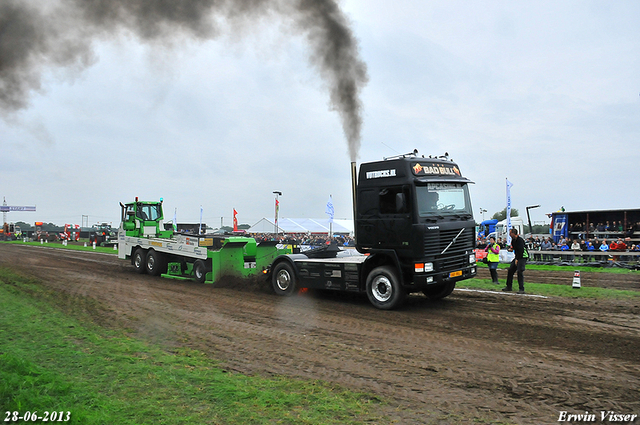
[(155, 263), (140, 260), (384, 289), (440, 291), (283, 279), (199, 271)]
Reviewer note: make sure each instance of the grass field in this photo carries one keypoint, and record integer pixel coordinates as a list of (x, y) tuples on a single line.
[(575, 266), (76, 246), (552, 290), (51, 361)]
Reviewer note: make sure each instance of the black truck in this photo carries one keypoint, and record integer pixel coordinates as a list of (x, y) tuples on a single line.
[(414, 232)]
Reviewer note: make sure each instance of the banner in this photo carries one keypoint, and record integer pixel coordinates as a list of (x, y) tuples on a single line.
[(200, 228), (6, 208), (560, 226), (277, 209), (509, 185), (235, 220), (175, 220), (329, 210)]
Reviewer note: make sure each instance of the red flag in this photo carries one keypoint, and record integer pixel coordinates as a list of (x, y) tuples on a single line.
[(235, 220)]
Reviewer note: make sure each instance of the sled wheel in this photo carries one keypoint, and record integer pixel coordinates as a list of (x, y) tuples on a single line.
[(199, 271)]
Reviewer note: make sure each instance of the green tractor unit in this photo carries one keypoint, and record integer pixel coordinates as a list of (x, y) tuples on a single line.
[(143, 240), (102, 235)]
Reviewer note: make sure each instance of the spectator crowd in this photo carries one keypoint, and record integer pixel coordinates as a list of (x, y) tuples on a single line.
[(315, 240), (568, 249), (607, 229)]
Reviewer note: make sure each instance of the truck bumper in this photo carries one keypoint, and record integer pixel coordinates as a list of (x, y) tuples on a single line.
[(422, 280)]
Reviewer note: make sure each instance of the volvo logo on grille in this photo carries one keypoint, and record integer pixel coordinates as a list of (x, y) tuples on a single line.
[(453, 241)]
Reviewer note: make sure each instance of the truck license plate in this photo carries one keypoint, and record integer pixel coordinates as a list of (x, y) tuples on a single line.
[(455, 274)]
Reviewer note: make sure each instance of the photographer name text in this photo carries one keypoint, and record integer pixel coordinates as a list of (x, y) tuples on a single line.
[(604, 416)]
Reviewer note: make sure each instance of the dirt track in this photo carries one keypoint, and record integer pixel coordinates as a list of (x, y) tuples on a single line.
[(471, 357)]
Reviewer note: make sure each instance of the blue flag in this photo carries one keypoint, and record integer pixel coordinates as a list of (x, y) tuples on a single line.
[(175, 221), (509, 185), (329, 209)]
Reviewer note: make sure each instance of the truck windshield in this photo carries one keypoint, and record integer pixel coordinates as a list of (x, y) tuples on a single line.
[(442, 199), (149, 211)]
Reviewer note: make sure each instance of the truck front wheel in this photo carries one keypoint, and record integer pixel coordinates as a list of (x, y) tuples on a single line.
[(384, 289), (440, 291), (283, 279), (139, 260)]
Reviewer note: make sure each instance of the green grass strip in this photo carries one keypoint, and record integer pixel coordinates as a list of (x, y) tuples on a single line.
[(552, 290), (53, 362), (72, 245), (574, 266)]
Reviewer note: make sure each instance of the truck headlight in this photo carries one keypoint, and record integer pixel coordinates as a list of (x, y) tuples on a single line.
[(472, 258), (423, 267)]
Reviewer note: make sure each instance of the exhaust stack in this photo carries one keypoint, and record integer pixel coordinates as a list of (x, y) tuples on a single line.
[(353, 193)]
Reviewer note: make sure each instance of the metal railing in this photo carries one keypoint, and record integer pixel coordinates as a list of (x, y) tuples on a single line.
[(603, 257)]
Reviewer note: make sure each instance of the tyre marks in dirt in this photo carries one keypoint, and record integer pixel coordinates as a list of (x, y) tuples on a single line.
[(549, 355), (473, 356), (626, 281)]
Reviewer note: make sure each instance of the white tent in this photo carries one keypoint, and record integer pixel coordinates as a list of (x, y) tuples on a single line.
[(264, 226), (302, 225)]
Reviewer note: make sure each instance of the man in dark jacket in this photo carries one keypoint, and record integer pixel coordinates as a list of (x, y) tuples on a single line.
[(518, 263)]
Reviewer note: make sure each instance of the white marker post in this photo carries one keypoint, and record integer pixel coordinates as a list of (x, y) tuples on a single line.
[(576, 279)]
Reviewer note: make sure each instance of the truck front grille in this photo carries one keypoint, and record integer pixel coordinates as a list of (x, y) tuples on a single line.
[(454, 262), (436, 241)]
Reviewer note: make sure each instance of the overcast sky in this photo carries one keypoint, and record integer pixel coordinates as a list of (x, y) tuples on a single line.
[(545, 94)]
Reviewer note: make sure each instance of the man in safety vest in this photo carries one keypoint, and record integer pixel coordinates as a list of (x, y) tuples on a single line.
[(518, 263), (493, 258)]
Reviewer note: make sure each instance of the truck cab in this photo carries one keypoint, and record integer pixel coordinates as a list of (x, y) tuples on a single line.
[(144, 219), (502, 228), (415, 213)]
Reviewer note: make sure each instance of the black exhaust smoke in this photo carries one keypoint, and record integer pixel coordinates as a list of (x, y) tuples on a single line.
[(36, 35)]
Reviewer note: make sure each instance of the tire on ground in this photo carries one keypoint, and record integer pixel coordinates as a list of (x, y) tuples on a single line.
[(155, 263), (384, 288), (440, 291), (139, 260), (283, 279), (199, 271)]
